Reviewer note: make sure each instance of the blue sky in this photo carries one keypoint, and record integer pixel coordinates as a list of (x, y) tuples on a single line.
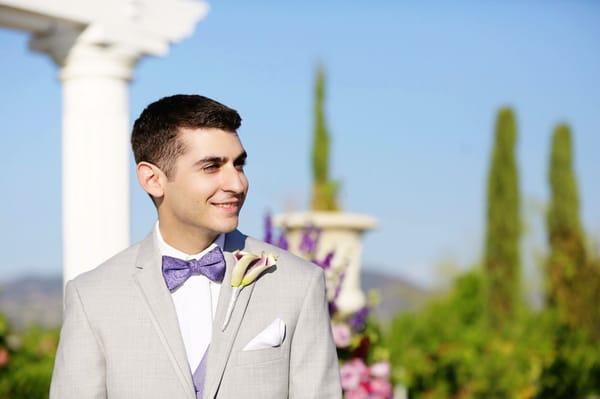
[(413, 89)]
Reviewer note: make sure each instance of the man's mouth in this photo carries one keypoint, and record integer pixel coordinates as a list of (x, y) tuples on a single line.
[(228, 206)]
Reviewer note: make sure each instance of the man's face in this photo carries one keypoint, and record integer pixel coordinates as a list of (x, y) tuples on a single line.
[(209, 186)]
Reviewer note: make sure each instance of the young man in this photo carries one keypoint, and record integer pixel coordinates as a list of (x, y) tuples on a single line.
[(151, 321)]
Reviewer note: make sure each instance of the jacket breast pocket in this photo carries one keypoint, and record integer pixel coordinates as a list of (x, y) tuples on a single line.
[(258, 374), (259, 356)]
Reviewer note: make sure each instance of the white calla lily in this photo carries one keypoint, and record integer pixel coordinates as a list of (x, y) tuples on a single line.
[(265, 262), (246, 270), (243, 260)]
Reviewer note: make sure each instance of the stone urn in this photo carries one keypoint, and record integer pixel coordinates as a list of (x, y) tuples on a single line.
[(342, 233)]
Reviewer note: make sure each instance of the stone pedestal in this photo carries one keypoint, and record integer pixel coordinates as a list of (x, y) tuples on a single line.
[(341, 232)]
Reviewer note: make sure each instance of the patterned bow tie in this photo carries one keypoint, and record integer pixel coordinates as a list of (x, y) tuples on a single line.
[(177, 271)]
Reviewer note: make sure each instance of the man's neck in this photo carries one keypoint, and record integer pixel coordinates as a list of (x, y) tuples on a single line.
[(186, 239)]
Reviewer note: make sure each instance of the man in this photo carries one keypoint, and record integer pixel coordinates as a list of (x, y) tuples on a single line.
[(151, 321)]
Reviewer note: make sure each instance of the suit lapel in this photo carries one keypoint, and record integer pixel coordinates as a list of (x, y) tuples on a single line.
[(159, 303), (222, 341)]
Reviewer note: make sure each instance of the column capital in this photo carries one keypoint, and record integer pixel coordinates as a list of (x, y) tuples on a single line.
[(102, 38), (78, 56)]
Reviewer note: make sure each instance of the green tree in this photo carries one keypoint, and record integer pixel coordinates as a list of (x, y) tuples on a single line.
[(448, 350), (325, 191), (565, 235), (573, 284), (502, 241), (26, 361)]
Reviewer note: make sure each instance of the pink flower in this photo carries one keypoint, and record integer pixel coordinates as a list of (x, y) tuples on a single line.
[(359, 392), (4, 357), (341, 335), (380, 370), (353, 373), (380, 388)]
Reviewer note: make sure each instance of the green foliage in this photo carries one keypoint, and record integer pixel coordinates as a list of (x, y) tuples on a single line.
[(565, 236), (325, 191), (325, 196), (26, 370), (379, 349), (574, 370), (502, 253), (563, 214), (449, 350), (321, 136), (573, 283)]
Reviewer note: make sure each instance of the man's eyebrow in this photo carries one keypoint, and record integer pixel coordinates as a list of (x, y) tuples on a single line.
[(216, 159), (208, 159), (241, 157)]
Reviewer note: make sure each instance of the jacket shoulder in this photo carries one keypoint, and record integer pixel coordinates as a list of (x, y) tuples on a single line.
[(110, 271)]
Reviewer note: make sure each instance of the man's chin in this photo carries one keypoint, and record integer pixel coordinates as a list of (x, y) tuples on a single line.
[(228, 227)]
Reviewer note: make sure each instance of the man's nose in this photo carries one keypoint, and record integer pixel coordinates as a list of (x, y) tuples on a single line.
[(233, 180)]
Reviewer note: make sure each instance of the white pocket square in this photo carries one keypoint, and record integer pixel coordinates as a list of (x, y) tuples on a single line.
[(271, 336)]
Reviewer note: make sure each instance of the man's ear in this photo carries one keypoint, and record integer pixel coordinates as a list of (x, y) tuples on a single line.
[(151, 179)]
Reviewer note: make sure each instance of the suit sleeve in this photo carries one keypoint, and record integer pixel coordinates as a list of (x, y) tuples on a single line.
[(314, 369), (79, 367)]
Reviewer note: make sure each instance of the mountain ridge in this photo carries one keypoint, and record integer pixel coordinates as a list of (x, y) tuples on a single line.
[(37, 300)]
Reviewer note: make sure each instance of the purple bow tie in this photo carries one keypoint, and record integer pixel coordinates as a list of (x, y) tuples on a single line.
[(177, 271)]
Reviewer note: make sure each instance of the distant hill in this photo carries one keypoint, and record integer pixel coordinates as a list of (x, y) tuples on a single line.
[(38, 300), (396, 294), (32, 300)]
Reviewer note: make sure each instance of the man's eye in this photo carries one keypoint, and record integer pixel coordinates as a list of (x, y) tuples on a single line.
[(241, 165), (210, 168)]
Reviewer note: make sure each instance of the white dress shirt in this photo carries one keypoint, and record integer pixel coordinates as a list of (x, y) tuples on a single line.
[(195, 302)]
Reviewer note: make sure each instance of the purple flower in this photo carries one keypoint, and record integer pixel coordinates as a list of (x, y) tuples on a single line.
[(306, 243), (338, 287), (282, 242), (270, 232), (309, 241), (326, 262), (268, 229), (341, 335), (317, 237), (358, 319), (331, 306)]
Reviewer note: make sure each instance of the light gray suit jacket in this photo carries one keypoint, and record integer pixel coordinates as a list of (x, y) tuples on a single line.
[(120, 337)]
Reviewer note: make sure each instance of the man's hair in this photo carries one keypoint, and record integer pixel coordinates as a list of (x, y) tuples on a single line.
[(154, 138)]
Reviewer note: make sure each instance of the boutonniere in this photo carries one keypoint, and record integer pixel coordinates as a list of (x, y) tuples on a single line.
[(247, 268)]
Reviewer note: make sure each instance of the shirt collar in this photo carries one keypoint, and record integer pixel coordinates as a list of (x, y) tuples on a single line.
[(167, 250)]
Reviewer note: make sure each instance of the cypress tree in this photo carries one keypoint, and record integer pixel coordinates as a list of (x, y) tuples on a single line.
[(502, 241), (324, 190), (565, 234), (573, 283)]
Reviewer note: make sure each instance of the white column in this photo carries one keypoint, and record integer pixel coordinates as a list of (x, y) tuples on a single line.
[(95, 148), (96, 44), (95, 168)]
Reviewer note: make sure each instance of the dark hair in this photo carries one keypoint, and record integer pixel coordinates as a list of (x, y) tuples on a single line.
[(154, 136)]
